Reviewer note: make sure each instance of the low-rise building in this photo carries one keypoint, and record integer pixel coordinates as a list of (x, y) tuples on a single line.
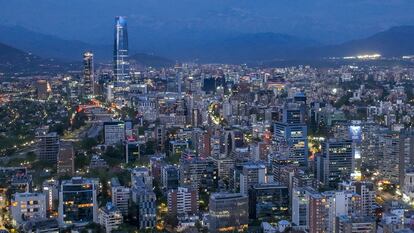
[(28, 206), (110, 217)]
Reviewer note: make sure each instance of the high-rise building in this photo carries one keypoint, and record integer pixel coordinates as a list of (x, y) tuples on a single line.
[(144, 197), (280, 162), (43, 89), (183, 201), (341, 203), (229, 143), (318, 213), (121, 63), (51, 191), (336, 163), (170, 177), (300, 206), (324, 208), (28, 206), (66, 159), (88, 82), (228, 212), (295, 136), (198, 173), (293, 113), (252, 174), (224, 167), (141, 176), (48, 146), (133, 150), (366, 191), (120, 196), (406, 153), (114, 132), (145, 201), (78, 204), (269, 202)]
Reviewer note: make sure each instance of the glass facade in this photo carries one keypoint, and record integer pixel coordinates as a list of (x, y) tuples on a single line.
[(121, 63), (78, 201)]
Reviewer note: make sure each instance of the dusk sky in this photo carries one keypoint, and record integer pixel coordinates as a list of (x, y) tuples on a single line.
[(322, 20)]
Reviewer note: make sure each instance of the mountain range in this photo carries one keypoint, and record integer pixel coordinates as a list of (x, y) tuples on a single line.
[(24, 49)]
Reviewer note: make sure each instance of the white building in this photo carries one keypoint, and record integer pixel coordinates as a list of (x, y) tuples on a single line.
[(28, 206), (267, 228), (120, 196), (141, 174), (300, 209), (251, 175), (367, 192), (183, 201), (110, 217), (408, 186), (341, 203)]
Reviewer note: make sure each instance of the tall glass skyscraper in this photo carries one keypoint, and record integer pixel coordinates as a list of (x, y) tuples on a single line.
[(88, 75), (121, 64)]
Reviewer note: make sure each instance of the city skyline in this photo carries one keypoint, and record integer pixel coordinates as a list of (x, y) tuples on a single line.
[(209, 120)]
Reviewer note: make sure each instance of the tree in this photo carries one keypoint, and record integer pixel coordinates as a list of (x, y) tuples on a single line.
[(171, 220), (114, 155), (149, 147), (31, 156), (81, 160), (79, 120), (88, 143)]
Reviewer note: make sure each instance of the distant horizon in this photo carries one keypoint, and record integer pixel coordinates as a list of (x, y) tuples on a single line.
[(91, 21), (211, 32)]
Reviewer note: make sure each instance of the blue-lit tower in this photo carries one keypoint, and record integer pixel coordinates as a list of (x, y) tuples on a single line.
[(121, 63)]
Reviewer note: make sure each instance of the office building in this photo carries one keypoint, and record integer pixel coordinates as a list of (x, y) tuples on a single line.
[(121, 63), (177, 147), (198, 172), (224, 167), (133, 151), (269, 202), (48, 146), (78, 203), (251, 175), (336, 162), (88, 81), (114, 132), (170, 177), (229, 212), (66, 160), (295, 136)]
